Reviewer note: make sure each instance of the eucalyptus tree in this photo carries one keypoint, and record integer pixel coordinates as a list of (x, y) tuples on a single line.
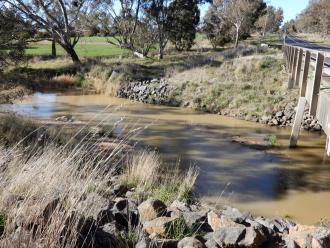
[(240, 14), (56, 17), (14, 34), (183, 19), (271, 21), (129, 27), (315, 18), (157, 13)]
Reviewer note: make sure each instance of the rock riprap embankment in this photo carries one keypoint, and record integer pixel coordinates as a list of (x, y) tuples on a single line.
[(159, 91), (155, 91), (178, 225)]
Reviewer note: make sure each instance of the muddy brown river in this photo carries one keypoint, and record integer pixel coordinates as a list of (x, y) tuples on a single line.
[(283, 182)]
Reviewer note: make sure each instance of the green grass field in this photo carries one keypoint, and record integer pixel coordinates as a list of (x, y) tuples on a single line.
[(87, 47)]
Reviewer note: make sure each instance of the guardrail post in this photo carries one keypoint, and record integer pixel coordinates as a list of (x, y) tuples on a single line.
[(297, 122), (293, 68), (316, 84), (305, 74), (285, 53), (298, 71), (290, 58)]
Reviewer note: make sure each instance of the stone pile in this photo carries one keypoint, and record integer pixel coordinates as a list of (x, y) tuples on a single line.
[(285, 118), (155, 91), (158, 91), (180, 225)]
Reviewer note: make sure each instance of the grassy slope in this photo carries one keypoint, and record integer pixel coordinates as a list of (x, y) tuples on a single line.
[(240, 82), (87, 47), (315, 38)]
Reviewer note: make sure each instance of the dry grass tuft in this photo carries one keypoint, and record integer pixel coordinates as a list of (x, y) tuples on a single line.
[(141, 170), (51, 187), (145, 172), (66, 80)]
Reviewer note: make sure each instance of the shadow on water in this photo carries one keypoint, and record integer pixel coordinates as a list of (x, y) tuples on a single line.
[(246, 174)]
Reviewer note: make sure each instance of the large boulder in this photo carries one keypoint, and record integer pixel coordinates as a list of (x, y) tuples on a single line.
[(197, 221), (190, 242), (235, 215), (151, 209), (277, 225), (229, 236), (218, 220), (254, 237), (239, 236), (159, 226), (309, 236)]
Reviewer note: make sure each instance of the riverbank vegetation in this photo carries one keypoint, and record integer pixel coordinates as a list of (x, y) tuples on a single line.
[(68, 184), (62, 195)]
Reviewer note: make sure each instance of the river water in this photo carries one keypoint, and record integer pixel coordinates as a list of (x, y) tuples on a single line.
[(283, 182)]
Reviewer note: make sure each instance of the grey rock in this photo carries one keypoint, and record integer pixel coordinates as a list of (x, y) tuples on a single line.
[(277, 225), (151, 209), (211, 243), (279, 114), (181, 206), (235, 215), (197, 221), (253, 238), (322, 238), (229, 236), (289, 243), (274, 122), (190, 242)]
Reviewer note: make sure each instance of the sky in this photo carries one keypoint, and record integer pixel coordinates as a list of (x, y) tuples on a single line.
[(291, 8)]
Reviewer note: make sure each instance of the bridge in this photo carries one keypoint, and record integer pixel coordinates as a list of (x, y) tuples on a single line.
[(308, 66)]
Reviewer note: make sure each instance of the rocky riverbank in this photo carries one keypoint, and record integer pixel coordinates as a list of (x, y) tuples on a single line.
[(121, 220), (160, 91), (109, 199)]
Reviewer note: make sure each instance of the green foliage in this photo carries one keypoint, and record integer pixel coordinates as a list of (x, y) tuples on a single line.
[(183, 18), (14, 32), (217, 31), (178, 229), (166, 193), (271, 139), (170, 191)]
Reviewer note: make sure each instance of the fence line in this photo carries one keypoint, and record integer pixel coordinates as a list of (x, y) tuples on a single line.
[(301, 67)]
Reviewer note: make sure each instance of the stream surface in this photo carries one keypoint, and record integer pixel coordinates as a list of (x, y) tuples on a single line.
[(283, 182)]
